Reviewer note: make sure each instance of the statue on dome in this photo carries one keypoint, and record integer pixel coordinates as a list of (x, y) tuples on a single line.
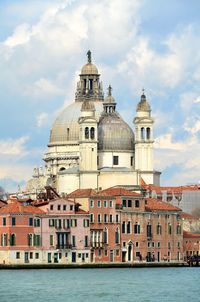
[(89, 55)]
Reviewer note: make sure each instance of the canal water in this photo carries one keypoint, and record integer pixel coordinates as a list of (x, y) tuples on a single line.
[(93, 285)]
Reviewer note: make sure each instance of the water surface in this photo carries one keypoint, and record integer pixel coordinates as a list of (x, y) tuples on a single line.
[(93, 285)]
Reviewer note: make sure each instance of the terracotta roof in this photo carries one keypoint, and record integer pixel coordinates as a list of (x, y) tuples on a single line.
[(16, 207), (178, 189), (117, 192), (82, 193), (188, 216), (190, 235), (2, 203), (154, 204)]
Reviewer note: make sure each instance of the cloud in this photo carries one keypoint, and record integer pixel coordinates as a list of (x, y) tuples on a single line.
[(42, 119), (14, 147), (44, 87)]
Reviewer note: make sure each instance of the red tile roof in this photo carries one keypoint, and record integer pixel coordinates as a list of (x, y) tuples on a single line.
[(117, 192), (81, 193), (190, 235), (16, 208), (189, 216), (178, 189), (154, 204)]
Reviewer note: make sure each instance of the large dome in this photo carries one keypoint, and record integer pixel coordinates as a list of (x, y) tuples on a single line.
[(114, 134), (66, 127)]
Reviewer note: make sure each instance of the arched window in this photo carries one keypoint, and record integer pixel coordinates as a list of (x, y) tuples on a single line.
[(90, 84), (117, 236), (92, 133), (148, 133), (142, 133), (12, 239), (159, 229), (86, 132), (105, 235)]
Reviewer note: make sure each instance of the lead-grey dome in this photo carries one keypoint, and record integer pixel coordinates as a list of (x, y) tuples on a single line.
[(114, 134), (66, 127)]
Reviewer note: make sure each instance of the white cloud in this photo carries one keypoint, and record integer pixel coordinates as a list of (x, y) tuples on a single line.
[(42, 119), (14, 147), (44, 87)]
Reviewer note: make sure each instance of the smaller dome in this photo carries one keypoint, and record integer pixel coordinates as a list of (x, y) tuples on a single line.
[(89, 68), (143, 105), (87, 106)]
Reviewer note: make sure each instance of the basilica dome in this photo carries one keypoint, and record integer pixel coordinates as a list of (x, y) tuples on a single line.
[(66, 127), (89, 69), (114, 134)]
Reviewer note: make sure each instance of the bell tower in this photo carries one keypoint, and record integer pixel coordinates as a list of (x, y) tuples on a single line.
[(88, 145), (144, 141)]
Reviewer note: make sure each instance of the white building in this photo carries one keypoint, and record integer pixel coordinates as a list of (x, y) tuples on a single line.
[(91, 146)]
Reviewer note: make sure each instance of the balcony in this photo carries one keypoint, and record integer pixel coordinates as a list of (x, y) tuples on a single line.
[(63, 246)]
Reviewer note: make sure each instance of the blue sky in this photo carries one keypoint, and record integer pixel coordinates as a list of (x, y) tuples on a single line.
[(135, 43)]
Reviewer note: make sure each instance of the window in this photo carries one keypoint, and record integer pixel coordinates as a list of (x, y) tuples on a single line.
[(117, 236), (31, 255), (64, 207), (99, 203), (137, 244), (91, 203), (12, 239), (36, 255), (169, 228), (37, 222), (13, 221), (51, 222), (105, 218), (73, 241), (30, 239), (86, 241), (117, 218), (169, 245), (115, 160), (4, 220), (105, 203), (129, 203), (99, 218), (17, 255), (58, 207), (36, 240), (137, 203), (99, 253), (136, 228), (178, 229), (142, 133), (105, 252), (51, 240), (71, 207), (111, 218), (91, 218), (148, 133), (124, 203), (58, 223), (123, 227), (4, 239), (51, 207), (128, 227), (74, 223), (92, 133), (159, 229), (149, 231), (111, 203), (116, 252), (131, 160), (105, 235), (178, 245), (158, 244), (66, 223), (86, 223), (86, 132), (30, 221)]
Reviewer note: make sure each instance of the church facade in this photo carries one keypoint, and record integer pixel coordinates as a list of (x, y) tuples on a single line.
[(91, 146)]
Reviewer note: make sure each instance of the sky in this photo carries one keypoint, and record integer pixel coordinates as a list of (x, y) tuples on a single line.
[(135, 44)]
